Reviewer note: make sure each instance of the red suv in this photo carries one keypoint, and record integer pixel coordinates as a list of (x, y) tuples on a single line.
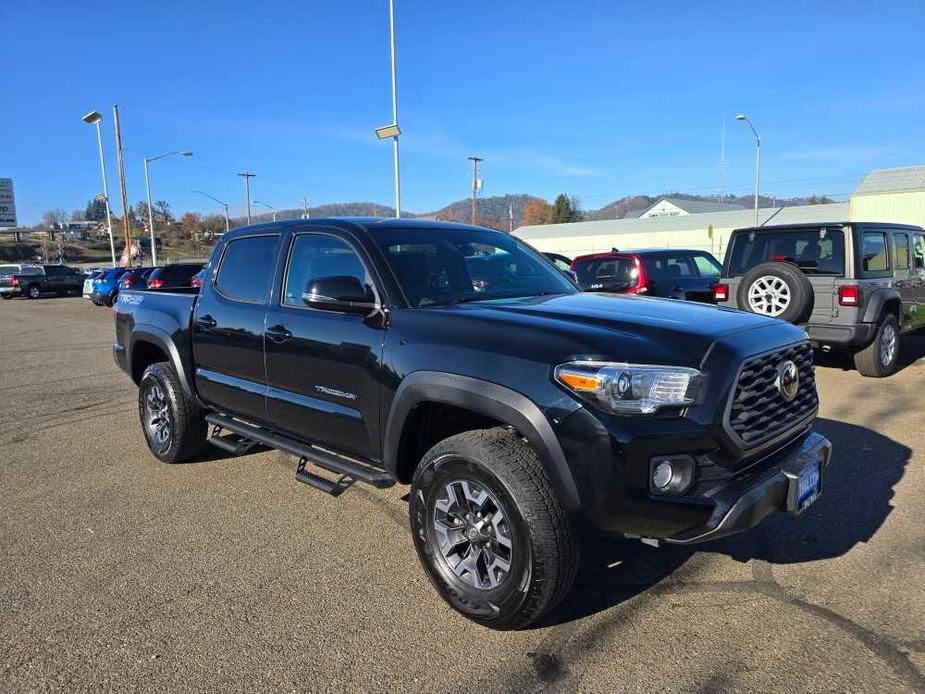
[(672, 273)]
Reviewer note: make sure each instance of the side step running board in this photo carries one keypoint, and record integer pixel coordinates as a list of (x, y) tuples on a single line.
[(249, 434)]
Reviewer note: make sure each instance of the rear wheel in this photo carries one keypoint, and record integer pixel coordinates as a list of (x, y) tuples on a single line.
[(6, 297), (174, 429), (112, 298), (33, 292), (881, 357), (489, 530)]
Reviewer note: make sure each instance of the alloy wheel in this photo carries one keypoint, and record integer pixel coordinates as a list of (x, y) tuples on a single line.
[(887, 345), (473, 534), (157, 417), (769, 296)]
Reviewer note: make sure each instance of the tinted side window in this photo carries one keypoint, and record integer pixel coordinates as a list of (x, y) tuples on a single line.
[(918, 251), (873, 252), (676, 266), (707, 266), (901, 251), (247, 265), (318, 255)]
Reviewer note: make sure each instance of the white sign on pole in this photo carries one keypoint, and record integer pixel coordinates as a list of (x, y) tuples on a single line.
[(7, 203)]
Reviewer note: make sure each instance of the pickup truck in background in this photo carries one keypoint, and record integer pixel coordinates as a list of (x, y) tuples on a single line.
[(42, 279), (459, 360)]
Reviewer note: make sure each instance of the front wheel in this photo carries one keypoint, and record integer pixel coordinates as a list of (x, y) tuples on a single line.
[(490, 531), (174, 429), (881, 357)]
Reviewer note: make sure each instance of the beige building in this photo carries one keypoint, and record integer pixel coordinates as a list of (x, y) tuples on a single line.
[(888, 195)]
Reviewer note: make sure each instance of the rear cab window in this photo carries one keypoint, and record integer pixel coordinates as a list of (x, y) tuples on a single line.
[(816, 251), (246, 268)]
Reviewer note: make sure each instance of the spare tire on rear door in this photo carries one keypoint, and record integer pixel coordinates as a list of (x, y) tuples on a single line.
[(777, 289)]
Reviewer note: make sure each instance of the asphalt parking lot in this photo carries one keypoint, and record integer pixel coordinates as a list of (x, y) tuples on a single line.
[(120, 572)]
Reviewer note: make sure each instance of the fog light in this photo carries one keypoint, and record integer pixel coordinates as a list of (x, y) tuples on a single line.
[(671, 474)]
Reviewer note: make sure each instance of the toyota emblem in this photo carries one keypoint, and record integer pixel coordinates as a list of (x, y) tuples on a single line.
[(788, 380)]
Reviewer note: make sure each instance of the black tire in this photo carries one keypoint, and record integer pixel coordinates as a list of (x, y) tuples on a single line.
[(33, 291), (543, 555), (185, 426), (873, 361), (800, 299), (112, 298), (6, 297)]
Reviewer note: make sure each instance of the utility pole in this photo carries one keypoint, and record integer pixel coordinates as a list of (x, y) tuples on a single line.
[(120, 164), (247, 193), (722, 163), (510, 217), (475, 185), (305, 208)]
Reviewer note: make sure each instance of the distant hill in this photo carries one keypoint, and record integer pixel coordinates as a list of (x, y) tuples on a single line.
[(493, 211)]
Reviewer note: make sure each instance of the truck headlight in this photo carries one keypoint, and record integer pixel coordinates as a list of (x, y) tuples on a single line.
[(630, 388)]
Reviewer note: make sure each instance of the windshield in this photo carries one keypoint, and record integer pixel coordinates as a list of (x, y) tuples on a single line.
[(591, 270), (815, 251), (440, 266)]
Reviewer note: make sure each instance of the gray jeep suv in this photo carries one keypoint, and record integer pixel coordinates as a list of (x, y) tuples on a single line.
[(854, 286)]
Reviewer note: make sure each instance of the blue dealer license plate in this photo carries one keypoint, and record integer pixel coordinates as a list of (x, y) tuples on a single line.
[(809, 485)]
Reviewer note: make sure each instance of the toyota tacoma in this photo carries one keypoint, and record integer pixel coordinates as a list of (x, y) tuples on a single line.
[(460, 361)]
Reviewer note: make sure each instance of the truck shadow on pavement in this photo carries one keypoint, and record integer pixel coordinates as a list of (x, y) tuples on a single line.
[(855, 503)]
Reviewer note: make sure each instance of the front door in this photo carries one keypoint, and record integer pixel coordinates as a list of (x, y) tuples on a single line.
[(228, 325), (323, 367)]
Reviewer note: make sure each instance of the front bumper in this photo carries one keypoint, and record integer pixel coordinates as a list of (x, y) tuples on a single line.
[(744, 503)]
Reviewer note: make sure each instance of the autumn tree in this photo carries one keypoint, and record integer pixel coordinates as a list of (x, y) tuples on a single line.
[(190, 223), (537, 212)]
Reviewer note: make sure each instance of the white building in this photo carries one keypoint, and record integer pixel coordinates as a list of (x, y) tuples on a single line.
[(675, 207)]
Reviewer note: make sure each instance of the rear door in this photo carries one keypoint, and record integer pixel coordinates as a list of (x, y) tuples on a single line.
[(323, 366), (903, 277), (918, 272), (228, 326)]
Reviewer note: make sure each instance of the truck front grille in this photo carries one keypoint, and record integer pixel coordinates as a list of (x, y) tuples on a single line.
[(759, 412)]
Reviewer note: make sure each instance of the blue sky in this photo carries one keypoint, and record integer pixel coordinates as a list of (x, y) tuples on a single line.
[(598, 99)]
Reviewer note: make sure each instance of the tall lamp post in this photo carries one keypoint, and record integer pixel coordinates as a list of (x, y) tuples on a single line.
[(223, 204), (148, 160), (268, 206), (743, 117), (392, 130), (94, 118)]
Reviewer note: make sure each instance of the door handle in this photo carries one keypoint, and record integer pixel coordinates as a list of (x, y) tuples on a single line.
[(278, 334), (206, 321)]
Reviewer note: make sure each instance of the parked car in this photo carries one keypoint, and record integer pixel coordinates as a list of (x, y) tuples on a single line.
[(518, 412), (106, 286), (88, 282), (560, 261), (855, 287), (197, 279), (136, 278), (172, 276), (674, 273), (33, 281)]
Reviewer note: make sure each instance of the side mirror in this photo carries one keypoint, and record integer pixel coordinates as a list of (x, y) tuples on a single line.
[(339, 293)]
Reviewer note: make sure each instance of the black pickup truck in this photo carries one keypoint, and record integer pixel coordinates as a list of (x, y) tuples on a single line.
[(461, 361)]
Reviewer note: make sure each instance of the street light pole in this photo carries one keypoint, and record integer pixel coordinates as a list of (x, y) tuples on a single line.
[(223, 204), (394, 109), (183, 153), (267, 205), (247, 193), (742, 117), (94, 117)]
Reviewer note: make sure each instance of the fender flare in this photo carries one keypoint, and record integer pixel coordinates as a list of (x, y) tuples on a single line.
[(160, 338), (490, 399), (874, 308)]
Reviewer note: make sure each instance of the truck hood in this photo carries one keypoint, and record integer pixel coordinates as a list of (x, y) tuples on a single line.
[(627, 326)]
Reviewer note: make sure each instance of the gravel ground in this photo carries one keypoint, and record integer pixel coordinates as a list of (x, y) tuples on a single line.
[(119, 572)]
